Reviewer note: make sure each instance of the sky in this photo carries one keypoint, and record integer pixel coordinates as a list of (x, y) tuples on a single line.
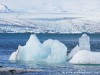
[(72, 5)]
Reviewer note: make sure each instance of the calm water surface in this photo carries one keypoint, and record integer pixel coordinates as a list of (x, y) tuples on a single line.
[(10, 42)]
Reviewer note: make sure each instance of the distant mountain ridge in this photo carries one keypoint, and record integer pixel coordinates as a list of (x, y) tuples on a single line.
[(53, 6), (4, 9)]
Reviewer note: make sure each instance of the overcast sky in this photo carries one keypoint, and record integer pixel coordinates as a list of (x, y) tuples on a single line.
[(71, 4)]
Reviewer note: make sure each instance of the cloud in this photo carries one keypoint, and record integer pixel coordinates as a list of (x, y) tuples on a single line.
[(69, 5)]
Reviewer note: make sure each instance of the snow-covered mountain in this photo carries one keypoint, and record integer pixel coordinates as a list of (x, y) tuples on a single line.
[(49, 23), (47, 9), (50, 16), (4, 9), (53, 6)]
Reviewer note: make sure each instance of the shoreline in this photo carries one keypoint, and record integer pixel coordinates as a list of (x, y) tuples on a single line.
[(12, 70)]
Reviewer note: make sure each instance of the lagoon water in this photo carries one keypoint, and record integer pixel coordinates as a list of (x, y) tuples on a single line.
[(9, 43)]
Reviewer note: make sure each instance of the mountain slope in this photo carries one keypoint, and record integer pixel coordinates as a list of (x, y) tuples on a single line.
[(4, 9), (50, 6), (49, 23)]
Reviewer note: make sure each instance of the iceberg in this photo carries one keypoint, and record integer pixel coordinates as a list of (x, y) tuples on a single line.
[(83, 54), (13, 56), (47, 45), (58, 52), (73, 52), (33, 50), (50, 51), (86, 57), (84, 44)]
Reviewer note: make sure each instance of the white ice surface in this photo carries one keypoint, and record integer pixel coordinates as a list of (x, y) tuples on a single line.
[(51, 51), (86, 57), (73, 52), (84, 42), (83, 54), (13, 56), (58, 52)]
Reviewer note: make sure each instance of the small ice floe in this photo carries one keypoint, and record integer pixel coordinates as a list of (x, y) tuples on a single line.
[(52, 51), (84, 44), (82, 54)]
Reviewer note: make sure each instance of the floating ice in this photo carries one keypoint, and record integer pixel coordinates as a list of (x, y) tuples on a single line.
[(73, 52), (33, 50), (49, 51), (84, 44), (86, 57), (13, 56), (82, 54), (47, 45), (58, 52)]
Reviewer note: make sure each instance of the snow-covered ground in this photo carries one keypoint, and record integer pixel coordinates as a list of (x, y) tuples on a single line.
[(4, 9), (50, 16), (50, 23)]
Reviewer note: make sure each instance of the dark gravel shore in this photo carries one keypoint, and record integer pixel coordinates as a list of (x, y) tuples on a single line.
[(12, 70)]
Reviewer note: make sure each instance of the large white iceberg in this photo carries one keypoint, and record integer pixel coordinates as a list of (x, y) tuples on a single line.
[(86, 57), (33, 50), (84, 44), (50, 51)]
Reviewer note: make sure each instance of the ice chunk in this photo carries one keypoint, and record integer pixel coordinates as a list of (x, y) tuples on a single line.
[(13, 56), (48, 43), (84, 42), (86, 57), (33, 41), (83, 55), (50, 51), (33, 50), (58, 52), (47, 46), (73, 52)]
